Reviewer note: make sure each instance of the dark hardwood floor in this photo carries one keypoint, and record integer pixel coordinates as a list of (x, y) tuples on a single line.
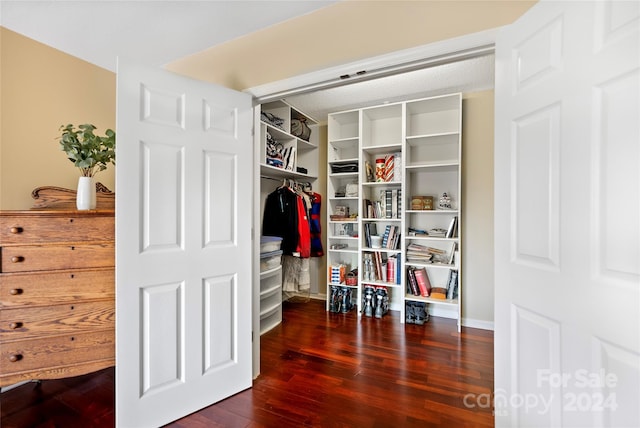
[(318, 370)]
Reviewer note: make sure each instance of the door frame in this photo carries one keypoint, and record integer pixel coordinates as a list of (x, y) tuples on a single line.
[(398, 62)]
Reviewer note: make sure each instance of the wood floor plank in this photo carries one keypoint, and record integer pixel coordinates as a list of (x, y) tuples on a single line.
[(319, 369)]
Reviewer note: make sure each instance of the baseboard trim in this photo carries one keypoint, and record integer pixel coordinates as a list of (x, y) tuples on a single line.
[(481, 324)]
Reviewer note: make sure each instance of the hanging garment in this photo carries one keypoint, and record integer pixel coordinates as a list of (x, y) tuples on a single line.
[(281, 218), (304, 232), (314, 225)]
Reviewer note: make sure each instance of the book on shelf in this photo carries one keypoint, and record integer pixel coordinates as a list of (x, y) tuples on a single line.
[(451, 253), (391, 237), (452, 230), (438, 293), (437, 233), (367, 208), (393, 269), (385, 237), (422, 254), (370, 229), (417, 232), (373, 209), (378, 264), (452, 285), (412, 284), (422, 278), (388, 204)]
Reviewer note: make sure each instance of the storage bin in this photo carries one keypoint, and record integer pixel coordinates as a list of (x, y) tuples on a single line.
[(270, 243), (270, 300), (270, 319), (270, 260), (270, 279)]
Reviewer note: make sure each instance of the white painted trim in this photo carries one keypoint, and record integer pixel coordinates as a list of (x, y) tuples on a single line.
[(481, 324), (445, 51), (443, 311)]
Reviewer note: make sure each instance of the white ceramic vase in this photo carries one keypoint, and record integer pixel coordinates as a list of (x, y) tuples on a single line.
[(86, 194)]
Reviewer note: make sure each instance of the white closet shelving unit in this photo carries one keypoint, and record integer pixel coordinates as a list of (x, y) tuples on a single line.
[(342, 155), (302, 167), (424, 138)]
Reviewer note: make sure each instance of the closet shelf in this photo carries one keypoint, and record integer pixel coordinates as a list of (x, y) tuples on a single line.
[(272, 171)]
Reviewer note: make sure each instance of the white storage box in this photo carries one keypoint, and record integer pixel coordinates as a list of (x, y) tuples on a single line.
[(270, 260), (270, 243)]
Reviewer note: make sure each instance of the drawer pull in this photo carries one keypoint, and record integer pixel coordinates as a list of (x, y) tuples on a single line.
[(16, 230), (15, 357), (15, 325), (17, 259), (15, 291)]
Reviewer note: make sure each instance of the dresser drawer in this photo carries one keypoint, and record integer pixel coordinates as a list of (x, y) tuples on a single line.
[(23, 258), (58, 351), (26, 323), (53, 287), (39, 228)]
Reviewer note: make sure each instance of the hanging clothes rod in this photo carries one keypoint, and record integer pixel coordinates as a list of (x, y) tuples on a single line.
[(305, 185)]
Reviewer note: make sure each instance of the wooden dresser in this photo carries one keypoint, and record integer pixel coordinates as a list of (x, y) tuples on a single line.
[(57, 293)]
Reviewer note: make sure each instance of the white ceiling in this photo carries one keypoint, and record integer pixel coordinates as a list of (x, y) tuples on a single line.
[(153, 32), (159, 32)]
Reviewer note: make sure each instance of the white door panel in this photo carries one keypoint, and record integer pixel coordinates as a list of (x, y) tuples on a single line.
[(567, 190), (183, 299)]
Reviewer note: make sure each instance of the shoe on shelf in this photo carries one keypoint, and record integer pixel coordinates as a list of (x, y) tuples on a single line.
[(409, 316), (368, 301)]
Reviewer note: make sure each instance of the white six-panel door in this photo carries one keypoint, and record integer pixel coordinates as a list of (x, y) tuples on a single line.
[(183, 245), (567, 216)]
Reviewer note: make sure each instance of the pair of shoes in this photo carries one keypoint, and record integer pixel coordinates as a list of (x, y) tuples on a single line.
[(340, 300), (345, 294), (368, 300), (335, 301)]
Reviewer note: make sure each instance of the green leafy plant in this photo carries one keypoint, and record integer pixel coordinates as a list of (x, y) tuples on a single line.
[(86, 150)]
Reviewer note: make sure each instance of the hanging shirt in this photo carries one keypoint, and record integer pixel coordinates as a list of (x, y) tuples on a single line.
[(304, 233)]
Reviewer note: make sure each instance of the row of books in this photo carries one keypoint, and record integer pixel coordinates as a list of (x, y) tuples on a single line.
[(418, 284), (370, 229), (389, 205), (391, 237), (377, 266), (417, 253)]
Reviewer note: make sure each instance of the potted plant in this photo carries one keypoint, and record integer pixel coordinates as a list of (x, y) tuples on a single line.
[(90, 153)]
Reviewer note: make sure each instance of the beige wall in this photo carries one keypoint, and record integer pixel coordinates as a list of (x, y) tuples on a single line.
[(340, 33), (477, 199), (41, 89)]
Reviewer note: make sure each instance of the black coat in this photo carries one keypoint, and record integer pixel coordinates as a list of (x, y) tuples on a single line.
[(281, 218)]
